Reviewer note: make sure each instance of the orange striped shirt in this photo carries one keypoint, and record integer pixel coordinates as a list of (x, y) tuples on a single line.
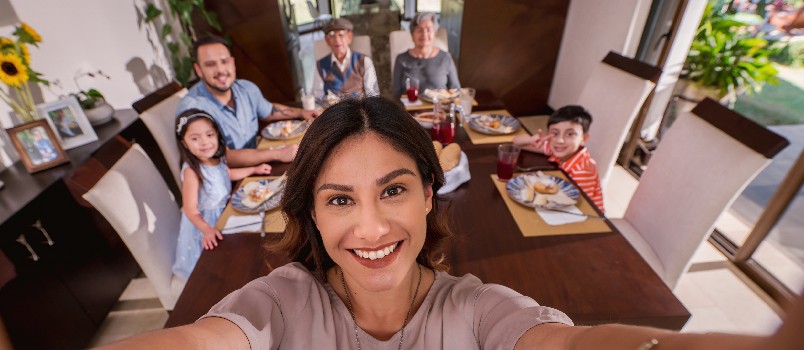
[(583, 170)]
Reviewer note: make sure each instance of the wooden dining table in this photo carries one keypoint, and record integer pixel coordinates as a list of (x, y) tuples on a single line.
[(594, 278)]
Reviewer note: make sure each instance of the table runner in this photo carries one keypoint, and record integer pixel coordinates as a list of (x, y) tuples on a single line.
[(478, 138), (274, 222), (532, 225)]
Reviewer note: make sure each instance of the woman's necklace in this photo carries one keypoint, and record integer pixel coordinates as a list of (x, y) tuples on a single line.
[(407, 316)]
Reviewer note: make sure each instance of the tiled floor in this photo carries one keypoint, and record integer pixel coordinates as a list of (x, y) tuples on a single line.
[(717, 296)]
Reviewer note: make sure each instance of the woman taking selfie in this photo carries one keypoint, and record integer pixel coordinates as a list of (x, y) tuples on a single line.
[(366, 239)]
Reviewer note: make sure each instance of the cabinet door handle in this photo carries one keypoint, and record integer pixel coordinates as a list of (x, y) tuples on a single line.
[(24, 242), (38, 225)]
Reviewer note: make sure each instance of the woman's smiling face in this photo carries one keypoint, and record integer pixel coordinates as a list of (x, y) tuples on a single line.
[(371, 206)]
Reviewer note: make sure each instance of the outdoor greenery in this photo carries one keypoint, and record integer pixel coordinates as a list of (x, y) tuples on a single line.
[(183, 11), (792, 54), (780, 104), (725, 56)]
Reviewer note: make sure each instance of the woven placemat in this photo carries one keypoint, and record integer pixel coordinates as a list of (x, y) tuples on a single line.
[(533, 123), (532, 225), (426, 106), (274, 222), (268, 144), (479, 139)]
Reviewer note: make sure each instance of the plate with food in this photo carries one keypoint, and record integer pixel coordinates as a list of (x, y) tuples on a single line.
[(284, 129), (540, 190), (260, 195), (425, 119), (493, 124), (430, 95)]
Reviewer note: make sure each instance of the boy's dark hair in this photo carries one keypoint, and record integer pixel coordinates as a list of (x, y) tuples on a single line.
[(209, 39), (571, 113)]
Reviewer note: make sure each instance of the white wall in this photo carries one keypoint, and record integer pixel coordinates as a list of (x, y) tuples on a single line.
[(593, 28), (92, 35)]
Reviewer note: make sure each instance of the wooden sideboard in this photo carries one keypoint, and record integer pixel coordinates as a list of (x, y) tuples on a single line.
[(58, 283)]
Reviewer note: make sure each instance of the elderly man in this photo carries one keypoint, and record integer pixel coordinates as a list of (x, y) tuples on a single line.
[(236, 104), (343, 72)]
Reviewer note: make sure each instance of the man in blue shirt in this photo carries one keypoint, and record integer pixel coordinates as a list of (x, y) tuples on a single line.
[(236, 104)]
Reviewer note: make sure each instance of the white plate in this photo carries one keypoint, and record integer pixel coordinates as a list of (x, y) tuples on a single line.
[(517, 189), (275, 185), (274, 131), (480, 123), (444, 95)]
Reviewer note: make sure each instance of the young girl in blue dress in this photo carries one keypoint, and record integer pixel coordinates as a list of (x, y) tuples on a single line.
[(206, 185)]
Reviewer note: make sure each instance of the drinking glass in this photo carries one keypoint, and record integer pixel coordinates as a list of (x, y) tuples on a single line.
[(443, 129), (507, 155), (467, 96), (412, 89), (308, 102)]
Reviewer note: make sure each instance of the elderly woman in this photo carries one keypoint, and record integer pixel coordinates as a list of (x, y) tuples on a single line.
[(367, 239), (432, 67)]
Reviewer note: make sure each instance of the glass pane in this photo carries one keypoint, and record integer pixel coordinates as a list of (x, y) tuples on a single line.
[(302, 12), (428, 6), (782, 252)]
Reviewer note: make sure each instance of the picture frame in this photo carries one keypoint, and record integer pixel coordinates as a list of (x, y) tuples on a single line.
[(37, 145), (68, 121)]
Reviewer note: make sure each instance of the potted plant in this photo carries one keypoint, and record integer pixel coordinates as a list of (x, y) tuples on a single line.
[(726, 60), (97, 110)]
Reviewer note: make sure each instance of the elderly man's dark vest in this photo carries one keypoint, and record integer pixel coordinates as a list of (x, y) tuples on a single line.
[(349, 82)]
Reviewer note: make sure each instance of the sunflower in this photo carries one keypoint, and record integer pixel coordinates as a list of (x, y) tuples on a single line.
[(34, 35), (6, 42), (26, 55), (12, 71)]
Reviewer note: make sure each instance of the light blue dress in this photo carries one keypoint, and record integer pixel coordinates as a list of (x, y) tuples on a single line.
[(212, 198)]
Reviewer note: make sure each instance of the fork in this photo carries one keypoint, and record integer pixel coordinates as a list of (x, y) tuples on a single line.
[(574, 213)]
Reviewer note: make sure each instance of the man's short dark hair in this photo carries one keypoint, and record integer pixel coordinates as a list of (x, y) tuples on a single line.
[(206, 40), (571, 113)]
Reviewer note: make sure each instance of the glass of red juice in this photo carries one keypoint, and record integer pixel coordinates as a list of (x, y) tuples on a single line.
[(507, 155), (412, 89)]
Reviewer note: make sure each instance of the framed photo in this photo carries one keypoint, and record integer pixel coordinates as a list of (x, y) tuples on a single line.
[(37, 145), (69, 122)]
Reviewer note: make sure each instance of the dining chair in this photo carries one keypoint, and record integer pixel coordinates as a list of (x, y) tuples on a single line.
[(400, 41), (613, 94), (360, 43), (158, 112), (702, 164), (135, 200)]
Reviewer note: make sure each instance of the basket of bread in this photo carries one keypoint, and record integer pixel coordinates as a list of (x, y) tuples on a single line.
[(455, 165), (540, 190)]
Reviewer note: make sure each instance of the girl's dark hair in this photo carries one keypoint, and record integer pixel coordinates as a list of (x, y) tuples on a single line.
[(182, 121), (350, 118)]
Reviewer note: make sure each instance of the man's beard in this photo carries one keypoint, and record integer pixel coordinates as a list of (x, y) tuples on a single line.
[(212, 86)]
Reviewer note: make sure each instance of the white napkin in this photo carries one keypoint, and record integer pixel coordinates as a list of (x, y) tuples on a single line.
[(410, 104), (456, 176), (555, 218), (242, 223)]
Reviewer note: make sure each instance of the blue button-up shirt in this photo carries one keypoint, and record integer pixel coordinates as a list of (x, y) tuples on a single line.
[(239, 125)]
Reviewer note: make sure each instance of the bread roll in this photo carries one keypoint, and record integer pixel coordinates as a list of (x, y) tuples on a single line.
[(546, 187), (438, 148), (450, 157)]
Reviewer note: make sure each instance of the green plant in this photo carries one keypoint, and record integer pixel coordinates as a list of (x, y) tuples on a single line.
[(724, 55), (89, 99), (182, 11)]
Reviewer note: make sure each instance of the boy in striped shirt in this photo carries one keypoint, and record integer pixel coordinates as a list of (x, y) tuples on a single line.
[(568, 130)]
